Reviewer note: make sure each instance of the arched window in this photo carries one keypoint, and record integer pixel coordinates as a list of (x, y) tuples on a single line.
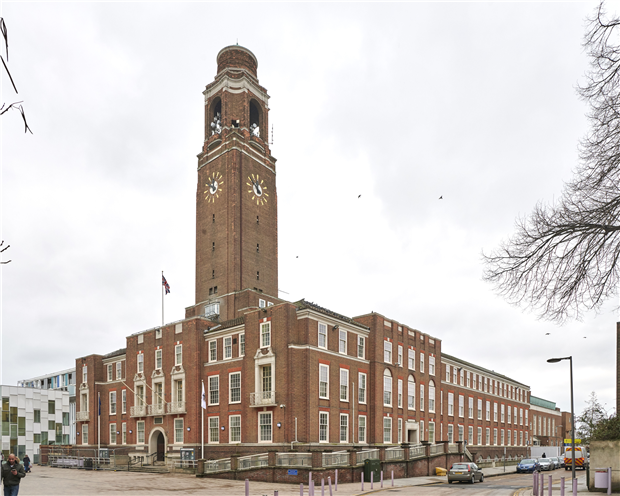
[(411, 393), (216, 116), (431, 396), (387, 387), (256, 118)]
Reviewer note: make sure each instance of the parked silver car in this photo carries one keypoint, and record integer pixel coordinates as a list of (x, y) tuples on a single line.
[(546, 464), (557, 462), (465, 472)]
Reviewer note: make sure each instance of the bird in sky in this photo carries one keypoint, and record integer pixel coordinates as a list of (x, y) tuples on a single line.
[(547, 334), (359, 196), (441, 197)]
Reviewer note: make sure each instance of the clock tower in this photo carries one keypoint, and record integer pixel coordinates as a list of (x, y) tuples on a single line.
[(236, 200)]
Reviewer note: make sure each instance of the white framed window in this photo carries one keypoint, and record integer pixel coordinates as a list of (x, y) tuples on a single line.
[(509, 414), (361, 347), (470, 409), (242, 344), (158, 359), (228, 348), (494, 412), (118, 370), (411, 359), (265, 334), (462, 377), (112, 402), (526, 411), (422, 432), (178, 391), (140, 431), (124, 401), (400, 393), (344, 428), (450, 433), (479, 409), (213, 351), (140, 363), (447, 373), (178, 354), (400, 355), (84, 433), (234, 384), (411, 393), (361, 394), (323, 427), (344, 385), (323, 381), (422, 362), (110, 378), (470, 435), (431, 397), (322, 335), (488, 411), (479, 436), (214, 390), (261, 303), (361, 429), (421, 397), (387, 388), (112, 433), (214, 430), (461, 433), (234, 431), (400, 430), (387, 430), (521, 438), (451, 404), (387, 351), (508, 441), (264, 427), (454, 375), (342, 341), (431, 366), (431, 432), (158, 395), (488, 436), (178, 430), (480, 383), (502, 413), (495, 437), (269, 304), (85, 374)]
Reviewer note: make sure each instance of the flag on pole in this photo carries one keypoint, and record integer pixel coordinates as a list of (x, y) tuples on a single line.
[(165, 284), (203, 402)]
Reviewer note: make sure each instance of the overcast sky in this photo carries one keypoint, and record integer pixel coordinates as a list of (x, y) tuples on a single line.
[(400, 103)]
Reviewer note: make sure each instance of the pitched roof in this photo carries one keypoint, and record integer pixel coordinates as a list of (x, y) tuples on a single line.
[(303, 304)]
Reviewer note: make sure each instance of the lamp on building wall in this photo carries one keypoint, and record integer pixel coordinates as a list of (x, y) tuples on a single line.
[(572, 407), (223, 428), (279, 425), (189, 429), (336, 327)]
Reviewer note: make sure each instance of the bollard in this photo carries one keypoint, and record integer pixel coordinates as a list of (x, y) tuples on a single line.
[(574, 487), (550, 485), (275, 493), (535, 484), (301, 489), (329, 481), (372, 480), (608, 479), (309, 480), (362, 481), (323, 486), (562, 482), (311, 488), (247, 487), (336, 481), (541, 484), (382, 478), (392, 478)]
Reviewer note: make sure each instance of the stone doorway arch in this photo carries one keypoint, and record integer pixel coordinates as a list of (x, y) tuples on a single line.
[(158, 442)]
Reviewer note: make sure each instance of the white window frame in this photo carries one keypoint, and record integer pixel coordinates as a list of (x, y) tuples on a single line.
[(230, 387), (322, 333), (178, 354), (140, 423), (479, 439), (342, 343), (431, 365), (323, 427), (234, 429), (361, 347), (470, 407), (213, 380), (400, 355), (361, 394), (387, 388), (113, 433), (494, 411), (461, 433), (178, 439), (422, 397), (242, 344), (387, 430), (411, 386), (325, 368), (479, 408), (119, 369), (387, 351), (214, 427), (345, 438), (361, 431), (450, 404), (488, 411), (213, 351), (411, 359), (110, 372), (502, 413), (140, 363), (270, 424), (470, 434), (85, 374), (228, 348), (112, 397), (400, 393), (265, 336), (84, 433), (421, 362), (158, 359), (431, 397), (344, 385), (124, 401), (461, 406), (400, 430), (450, 433)]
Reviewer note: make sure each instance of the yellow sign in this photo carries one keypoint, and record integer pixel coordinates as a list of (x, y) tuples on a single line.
[(569, 441)]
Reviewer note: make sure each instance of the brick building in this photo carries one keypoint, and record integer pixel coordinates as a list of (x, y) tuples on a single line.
[(546, 423), (278, 373)]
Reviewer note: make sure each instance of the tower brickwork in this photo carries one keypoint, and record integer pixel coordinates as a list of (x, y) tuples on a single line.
[(236, 200)]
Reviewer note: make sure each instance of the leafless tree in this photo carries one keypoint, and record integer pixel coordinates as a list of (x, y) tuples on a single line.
[(3, 250), (563, 258), (15, 105)]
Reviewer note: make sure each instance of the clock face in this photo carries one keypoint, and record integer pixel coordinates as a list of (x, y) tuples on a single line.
[(214, 184), (258, 190)]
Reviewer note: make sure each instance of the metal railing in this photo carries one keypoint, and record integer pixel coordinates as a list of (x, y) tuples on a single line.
[(138, 411), (394, 454), (294, 459), (418, 451), (336, 459), (83, 415), (453, 448), (436, 449), (176, 464), (263, 398), (367, 455), (217, 465), (175, 407), (261, 460)]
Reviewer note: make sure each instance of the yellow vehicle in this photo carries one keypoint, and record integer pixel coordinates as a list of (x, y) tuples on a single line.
[(581, 458)]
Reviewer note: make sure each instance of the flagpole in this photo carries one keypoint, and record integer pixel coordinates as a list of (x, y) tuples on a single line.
[(98, 424), (202, 452), (162, 300)]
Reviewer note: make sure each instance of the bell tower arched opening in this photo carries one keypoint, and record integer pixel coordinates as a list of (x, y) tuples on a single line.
[(256, 118)]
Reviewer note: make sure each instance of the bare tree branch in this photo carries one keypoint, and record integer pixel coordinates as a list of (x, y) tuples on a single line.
[(563, 258)]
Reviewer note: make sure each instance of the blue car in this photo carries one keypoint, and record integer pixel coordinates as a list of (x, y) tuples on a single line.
[(527, 465)]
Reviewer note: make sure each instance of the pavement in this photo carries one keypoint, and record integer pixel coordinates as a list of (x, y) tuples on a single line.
[(50, 481)]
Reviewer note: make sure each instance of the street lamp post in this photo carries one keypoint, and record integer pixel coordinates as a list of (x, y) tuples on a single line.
[(572, 407)]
